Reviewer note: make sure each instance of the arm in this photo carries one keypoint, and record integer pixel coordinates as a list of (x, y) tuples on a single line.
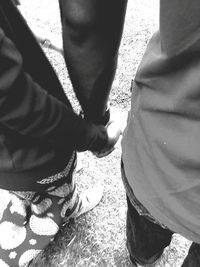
[(92, 31), (27, 108)]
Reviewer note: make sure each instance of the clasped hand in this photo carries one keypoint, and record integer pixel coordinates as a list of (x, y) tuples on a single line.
[(114, 130)]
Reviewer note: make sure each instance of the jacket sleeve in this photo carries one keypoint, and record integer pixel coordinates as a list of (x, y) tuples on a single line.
[(28, 109)]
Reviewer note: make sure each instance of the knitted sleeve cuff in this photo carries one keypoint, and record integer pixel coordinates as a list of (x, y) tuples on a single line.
[(95, 140), (103, 120)]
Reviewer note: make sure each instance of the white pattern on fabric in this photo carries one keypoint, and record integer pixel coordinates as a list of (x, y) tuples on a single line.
[(50, 214), (28, 195), (61, 201), (12, 235), (69, 204), (51, 188), (43, 226), (64, 208), (36, 199), (3, 263), (13, 255), (74, 198), (41, 222), (33, 242), (43, 206), (62, 191), (59, 175), (4, 201), (27, 256), (17, 206)]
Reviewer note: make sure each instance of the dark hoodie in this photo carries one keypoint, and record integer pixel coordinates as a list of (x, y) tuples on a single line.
[(38, 128)]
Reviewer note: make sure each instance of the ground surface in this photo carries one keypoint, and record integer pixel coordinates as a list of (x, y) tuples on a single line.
[(99, 237)]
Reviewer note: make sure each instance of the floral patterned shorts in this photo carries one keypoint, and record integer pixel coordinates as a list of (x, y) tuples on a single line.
[(30, 220)]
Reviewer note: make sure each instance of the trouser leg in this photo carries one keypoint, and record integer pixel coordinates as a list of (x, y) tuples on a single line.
[(193, 257), (145, 239)]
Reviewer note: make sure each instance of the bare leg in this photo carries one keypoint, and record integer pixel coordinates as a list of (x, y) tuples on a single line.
[(92, 32)]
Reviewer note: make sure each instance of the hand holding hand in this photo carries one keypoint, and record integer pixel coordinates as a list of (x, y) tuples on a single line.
[(113, 133)]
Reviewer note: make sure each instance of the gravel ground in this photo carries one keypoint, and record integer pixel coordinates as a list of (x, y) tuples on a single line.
[(99, 237)]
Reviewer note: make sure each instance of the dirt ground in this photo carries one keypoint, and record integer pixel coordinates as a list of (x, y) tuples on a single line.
[(99, 237)]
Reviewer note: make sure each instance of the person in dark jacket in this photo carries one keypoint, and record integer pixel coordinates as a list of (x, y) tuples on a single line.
[(39, 136)]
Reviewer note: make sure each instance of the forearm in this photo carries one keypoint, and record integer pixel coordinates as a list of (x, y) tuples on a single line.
[(27, 108), (92, 32)]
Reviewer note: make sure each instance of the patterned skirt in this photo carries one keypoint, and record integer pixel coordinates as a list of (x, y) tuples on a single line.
[(30, 220)]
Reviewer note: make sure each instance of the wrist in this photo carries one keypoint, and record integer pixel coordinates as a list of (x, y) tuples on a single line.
[(98, 120), (100, 140)]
